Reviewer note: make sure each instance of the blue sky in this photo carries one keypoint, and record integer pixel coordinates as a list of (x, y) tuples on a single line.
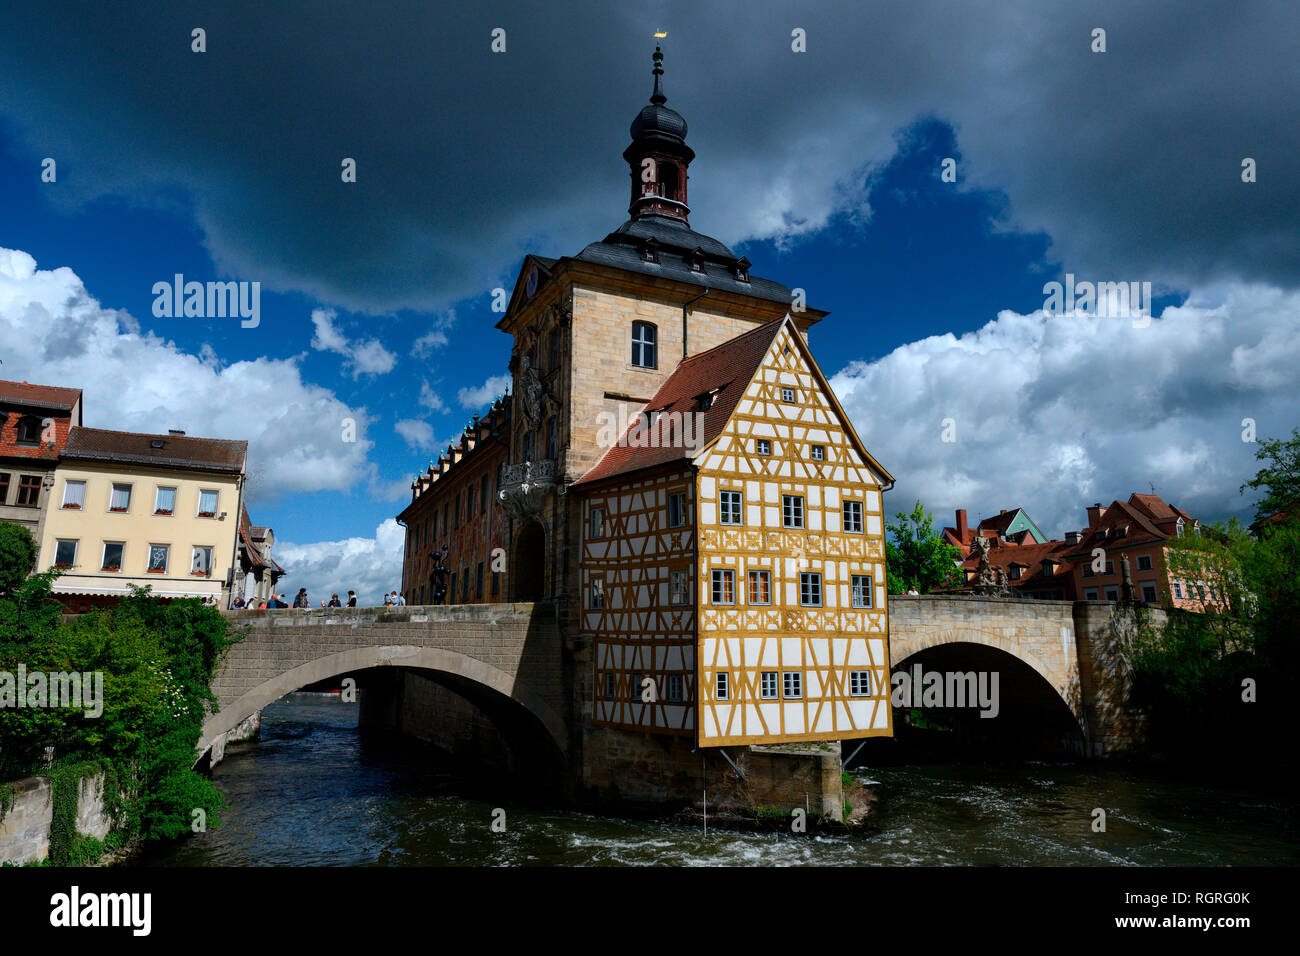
[(824, 170)]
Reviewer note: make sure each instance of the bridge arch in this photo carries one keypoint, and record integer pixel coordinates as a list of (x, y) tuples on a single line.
[(464, 671)]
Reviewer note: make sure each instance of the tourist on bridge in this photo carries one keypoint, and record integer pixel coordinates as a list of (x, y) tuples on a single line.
[(301, 599), (352, 599)]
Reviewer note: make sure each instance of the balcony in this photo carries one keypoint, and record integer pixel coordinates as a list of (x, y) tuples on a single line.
[(526, 486)]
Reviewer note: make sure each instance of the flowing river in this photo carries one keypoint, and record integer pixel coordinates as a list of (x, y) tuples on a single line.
[(316, 792)]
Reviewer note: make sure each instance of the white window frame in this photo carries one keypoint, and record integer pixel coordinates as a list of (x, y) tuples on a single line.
[(852, 514), (60, 542), (167, 550), (817, 452), (859, 683), (195, 551), (157, 500), (807, 581), (642, 344), (769, 685), (721, 686), (762, 446), (853, 585), (216, 493), (731, 504), (103, 557), (112, 494), (67, 486), (787, 394), (792, 685), (792, 511), (717, 578)]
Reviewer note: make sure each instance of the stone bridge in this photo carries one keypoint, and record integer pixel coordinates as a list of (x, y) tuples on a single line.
[(1076, 648), (505, 659)]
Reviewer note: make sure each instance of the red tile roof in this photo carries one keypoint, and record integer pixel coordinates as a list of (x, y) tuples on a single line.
[(177, 451), (39, 396)]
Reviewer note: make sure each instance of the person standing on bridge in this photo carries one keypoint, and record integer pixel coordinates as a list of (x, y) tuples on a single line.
[(352, 599), (300, 600)]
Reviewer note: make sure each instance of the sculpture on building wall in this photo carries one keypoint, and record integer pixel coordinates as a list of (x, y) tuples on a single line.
[(530, 391)]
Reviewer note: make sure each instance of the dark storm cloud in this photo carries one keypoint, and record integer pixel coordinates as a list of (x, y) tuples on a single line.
[(1129, 160)]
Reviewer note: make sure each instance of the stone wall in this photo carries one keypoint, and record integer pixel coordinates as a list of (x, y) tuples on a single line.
[(25, 829)]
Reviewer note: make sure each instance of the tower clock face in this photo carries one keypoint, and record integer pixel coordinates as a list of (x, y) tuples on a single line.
[(530, 283)]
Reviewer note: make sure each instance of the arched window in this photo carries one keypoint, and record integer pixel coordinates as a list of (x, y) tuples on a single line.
[(668, 180), (643, 345)]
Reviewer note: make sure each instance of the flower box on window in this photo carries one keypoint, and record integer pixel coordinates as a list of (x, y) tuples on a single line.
[(72, 507), (163, 511), (111, 567), (157, 570), (119, 510), (199, 574), (207, 514)]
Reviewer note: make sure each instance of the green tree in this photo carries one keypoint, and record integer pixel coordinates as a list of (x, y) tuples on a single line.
[(917, 557), (1280, 479)]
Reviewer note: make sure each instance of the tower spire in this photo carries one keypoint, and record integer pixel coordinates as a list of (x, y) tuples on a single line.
[(657, 97)]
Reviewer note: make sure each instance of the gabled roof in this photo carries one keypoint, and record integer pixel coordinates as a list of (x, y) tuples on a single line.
[(1031, 557), (177, 451), (39, 396), (725, 372), (249, 537)]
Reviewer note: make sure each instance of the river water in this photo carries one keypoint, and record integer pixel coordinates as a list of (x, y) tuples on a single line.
[(316, 792)]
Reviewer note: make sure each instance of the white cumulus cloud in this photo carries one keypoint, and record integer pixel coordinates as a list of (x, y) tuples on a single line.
[(363, 357), (370, 566), (474, 398)]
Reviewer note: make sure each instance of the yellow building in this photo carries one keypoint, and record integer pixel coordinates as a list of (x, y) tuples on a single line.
[(134, 509)]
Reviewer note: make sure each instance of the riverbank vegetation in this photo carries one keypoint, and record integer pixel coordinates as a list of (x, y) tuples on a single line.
[(1218, 681), (157, 660)]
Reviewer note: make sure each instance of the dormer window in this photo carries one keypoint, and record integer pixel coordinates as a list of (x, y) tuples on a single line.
[(705, 401), (1121, 531), (650, 250), (695, 260), (1014, 572), (29, 430), (742, 269)]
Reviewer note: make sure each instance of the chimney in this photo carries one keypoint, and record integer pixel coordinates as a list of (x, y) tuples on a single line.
[(961, 524), (1095, 514), (175, 431), (1003, 511)]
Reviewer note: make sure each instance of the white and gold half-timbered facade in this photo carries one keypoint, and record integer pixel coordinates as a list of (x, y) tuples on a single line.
[(733, 556)]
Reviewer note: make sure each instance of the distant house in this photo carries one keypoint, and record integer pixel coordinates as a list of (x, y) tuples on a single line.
[(131, 508), (256, 572), (34, 424), (1139, 529), (1007, 527), (1038, 570)]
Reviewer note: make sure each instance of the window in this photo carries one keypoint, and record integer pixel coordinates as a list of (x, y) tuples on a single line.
[(862, 590), (1112, 594), (609, 686), (158, 555), (818, 452), (1090, 594), (496, 582), (677, 514), (678, 588), (787, 394), (675, 687), (767, 685), (760, 587), (1121, 531), (65, 554), (1014, 572), (724, 586), (792, 511), (201, 564), (1178, 590), (555, 349), (721, 689), (859, 683), (1087, 569), (763, 447), (469, 503), (464, 586), (667, 180), (552, 440), (74, 494), (4, 487), (810, 588), (455, 511), (643, 345), (597, 594), (164, 501), (705, 401), (207, 503), (853, 517), (112, 556), (29, 430), (792, 685), (1149, 593), (29, 491), (636, 688), (451, 588), (482, 495), (597, 522), (478, 580), (121, 499), (528, 446), (730, 508), (1110, 567), (1144, 562)]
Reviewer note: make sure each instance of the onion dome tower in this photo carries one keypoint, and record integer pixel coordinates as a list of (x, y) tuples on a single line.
[(658, 156)]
